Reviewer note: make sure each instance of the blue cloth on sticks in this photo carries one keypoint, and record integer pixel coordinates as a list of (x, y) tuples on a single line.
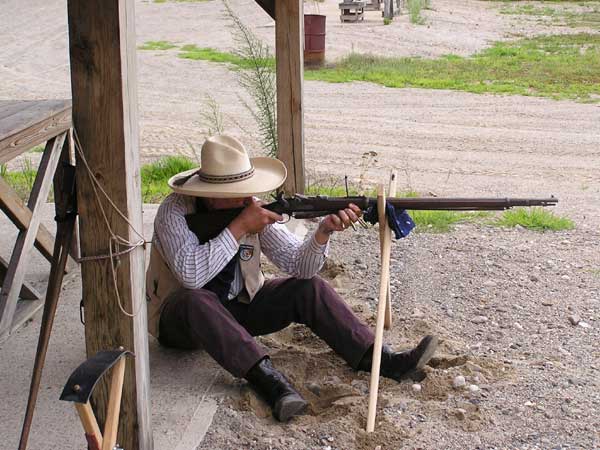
[(398, 219)]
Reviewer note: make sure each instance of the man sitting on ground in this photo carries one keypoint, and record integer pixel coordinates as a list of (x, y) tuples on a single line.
[(206, 289)]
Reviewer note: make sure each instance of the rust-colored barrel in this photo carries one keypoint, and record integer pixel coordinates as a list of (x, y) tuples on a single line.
[(314, 39)]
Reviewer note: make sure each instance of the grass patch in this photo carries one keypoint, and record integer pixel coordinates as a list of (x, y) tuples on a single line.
[(155, 176), (588, 14), (22, 180), (210, 54), (559, 67), (443, 221), (536, 218), (157, 45)]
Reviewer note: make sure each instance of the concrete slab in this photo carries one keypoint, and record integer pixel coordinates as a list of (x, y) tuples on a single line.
[(185, 386)]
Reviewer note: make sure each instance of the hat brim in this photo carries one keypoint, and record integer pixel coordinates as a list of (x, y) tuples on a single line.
[(269, 174)]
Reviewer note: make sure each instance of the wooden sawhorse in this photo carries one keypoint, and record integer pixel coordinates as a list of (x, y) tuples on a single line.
[(23, 125)]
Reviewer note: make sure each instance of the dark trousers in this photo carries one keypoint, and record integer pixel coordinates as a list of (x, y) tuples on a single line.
[(193, 319)]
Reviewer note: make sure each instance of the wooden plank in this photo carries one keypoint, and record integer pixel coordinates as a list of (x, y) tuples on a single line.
[(30, 126), (289, 44), (28, 292), (103, 82), (11, 107), (11, 287)]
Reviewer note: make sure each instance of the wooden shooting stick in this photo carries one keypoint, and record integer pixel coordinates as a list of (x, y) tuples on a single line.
[(388, 310), (79, 388), (381, 308)]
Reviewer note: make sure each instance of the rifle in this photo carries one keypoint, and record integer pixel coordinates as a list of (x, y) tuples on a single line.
[(303, 207)]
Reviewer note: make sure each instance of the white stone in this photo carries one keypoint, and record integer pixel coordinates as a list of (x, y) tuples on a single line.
[(459, 382), (416, 387), (479, 319), (473, 388), (574, 319)]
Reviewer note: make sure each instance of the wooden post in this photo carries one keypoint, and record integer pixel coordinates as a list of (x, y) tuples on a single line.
[(385, 276), (103, 82), (388, 9), (289, 45)]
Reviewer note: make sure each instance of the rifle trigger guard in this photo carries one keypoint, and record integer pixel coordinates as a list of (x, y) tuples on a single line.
[(289, 217)]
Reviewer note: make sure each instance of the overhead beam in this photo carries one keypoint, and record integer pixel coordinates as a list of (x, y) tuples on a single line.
[(289, 45), (105, 120)]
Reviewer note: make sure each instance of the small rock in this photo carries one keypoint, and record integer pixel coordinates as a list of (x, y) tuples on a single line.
[(416, 387), (566, 277), (518, 326), (459, 382), (314, 388), (547, 303), (490, 283), (378, 447), (473, 388), (528, 403), (460, 413), (533, 278), (584, 324), (574, 319), (479, 319)]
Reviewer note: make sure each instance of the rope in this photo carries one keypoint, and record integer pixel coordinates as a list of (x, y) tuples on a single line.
[(115, 242)]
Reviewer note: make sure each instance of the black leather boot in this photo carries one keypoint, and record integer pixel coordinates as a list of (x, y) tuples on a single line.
[(399, 365), (277, 391)]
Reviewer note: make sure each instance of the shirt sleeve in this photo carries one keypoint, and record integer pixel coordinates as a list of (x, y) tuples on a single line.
[(192, 263), (301, 259)]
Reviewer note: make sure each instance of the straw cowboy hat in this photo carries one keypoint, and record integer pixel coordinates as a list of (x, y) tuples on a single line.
[(226, 171)]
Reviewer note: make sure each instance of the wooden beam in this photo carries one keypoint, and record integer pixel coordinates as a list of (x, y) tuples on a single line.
[(289, 44), (105, 119)]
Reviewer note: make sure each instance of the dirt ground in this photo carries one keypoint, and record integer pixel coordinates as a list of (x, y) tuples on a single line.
[(500, 300)]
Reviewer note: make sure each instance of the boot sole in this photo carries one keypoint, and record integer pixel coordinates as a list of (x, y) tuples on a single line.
[(427, 353), (289, 406)]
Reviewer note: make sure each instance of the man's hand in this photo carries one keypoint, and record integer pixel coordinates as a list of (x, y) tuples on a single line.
[(253, 219), (337, 222)]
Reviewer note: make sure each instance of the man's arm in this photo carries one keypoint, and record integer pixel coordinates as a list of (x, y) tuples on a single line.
[(193, 264), (305, 259)]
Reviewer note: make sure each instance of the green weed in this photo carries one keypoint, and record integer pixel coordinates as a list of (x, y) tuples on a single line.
[(537, 218), (414, 11), (157, 45), (387, 21), (155, 176)]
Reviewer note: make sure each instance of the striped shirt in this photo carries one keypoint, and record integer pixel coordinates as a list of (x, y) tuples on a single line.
[(195, 264)]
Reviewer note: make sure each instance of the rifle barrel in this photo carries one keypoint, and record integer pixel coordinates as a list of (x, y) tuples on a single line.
[(469, 204)]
